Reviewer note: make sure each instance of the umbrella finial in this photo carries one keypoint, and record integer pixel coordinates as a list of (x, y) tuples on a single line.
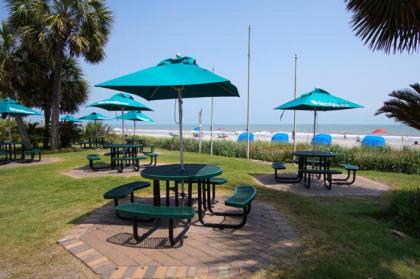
[(178, 55)]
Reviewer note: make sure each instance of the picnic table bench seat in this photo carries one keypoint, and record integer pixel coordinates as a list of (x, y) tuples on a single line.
[(124, 190), (242, 198), (5, 157), (92, 158), (126, 160), (351, 169), (32, 152), (277, 166), (153, 157), (139, 210), (307, 173), (84, 144), (214, 181)]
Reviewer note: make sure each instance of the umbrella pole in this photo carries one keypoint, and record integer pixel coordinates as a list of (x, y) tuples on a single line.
[(313, 142), (211, 128), (181, 140), (294, 111), (10, 129), (211, 125), (247, 105), (122, 123), (134, 131)]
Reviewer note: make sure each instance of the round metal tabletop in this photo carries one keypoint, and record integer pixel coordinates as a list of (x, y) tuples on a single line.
[(314, 153), (174, 172)]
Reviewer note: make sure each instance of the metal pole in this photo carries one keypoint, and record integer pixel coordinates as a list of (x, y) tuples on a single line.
[(313, 142), (247, 109), (122, 123), (294, 112), (181, 140), (10, 129), (134, 131), (200, 130), (211, 125)]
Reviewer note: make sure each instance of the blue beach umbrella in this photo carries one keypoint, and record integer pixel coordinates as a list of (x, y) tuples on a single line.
[(322, 139), (9, 107), (280, 137), (318, 100), (135, 116), (373, 141), (174, 78), (243, 137)]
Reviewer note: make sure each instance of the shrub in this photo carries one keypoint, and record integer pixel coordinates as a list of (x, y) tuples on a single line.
[(97, 129), (70, 133), (404, 211), (406, 160)]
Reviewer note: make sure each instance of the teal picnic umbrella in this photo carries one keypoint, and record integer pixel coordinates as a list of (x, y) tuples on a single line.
[(121, 102), (135, 116), (69, 118), (174, 78), (318, 100), (94, 116), (9, 107)]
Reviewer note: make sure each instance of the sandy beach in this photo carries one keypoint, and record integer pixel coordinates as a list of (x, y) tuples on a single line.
[(347, 140)]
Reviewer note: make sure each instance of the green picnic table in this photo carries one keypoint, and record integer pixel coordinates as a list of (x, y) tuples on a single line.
[(191, 173)]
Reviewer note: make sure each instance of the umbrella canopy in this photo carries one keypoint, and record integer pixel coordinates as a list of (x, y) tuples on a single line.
[(171, 76), (318, 100), (174, 78), (120, 102), (10, 107), (135, 116), (378, 131), (69, 118), (94, 116)]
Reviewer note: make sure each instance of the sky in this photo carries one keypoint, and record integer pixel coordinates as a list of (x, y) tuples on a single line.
[(216, 34)]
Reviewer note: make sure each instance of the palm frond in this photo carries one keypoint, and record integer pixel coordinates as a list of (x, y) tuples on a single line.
[(387, 25), (404, 106)]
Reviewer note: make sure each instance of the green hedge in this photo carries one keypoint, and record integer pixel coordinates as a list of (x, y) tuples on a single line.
[(404, 211), (406, 160)]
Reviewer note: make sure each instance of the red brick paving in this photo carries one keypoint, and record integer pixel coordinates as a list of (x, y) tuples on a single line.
[(102, 242)]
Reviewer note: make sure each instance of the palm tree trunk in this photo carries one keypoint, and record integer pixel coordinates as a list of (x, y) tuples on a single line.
[(23, 133), (21, 127), (56, 98), (47, 121)]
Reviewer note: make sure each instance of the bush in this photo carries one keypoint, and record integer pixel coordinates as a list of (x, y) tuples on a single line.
[(381, 159), (404, 211), (97, 129), (70, 133)]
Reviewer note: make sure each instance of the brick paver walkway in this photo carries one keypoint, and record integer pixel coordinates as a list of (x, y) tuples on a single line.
[(105, 244)]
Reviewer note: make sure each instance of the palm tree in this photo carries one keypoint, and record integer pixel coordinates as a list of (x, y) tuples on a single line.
[(404, 106), (38, 91), (387, 25), (11, 74), (64, 28)]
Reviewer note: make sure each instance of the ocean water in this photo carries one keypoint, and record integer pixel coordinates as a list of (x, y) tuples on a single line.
[(337, 129)]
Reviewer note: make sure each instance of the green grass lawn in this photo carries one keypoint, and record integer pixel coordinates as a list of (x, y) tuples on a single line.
[(341, 238)]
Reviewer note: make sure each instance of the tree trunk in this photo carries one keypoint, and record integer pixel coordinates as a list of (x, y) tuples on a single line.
[(47, 121), (21, 128), (56, 98), (23, 133)]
